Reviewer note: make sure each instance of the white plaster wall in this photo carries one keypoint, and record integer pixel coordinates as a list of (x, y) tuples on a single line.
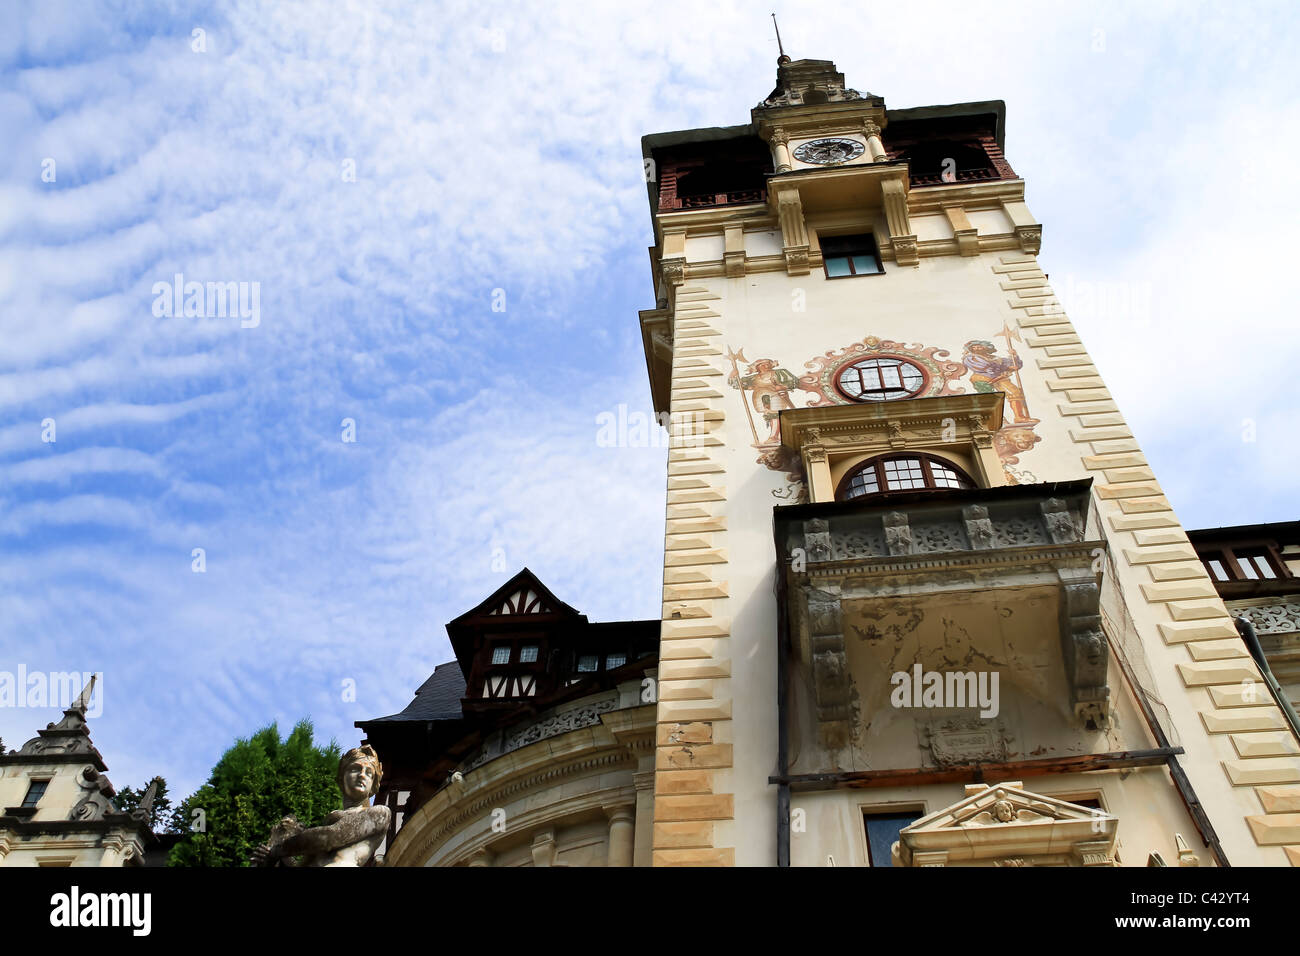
[(944, 301)]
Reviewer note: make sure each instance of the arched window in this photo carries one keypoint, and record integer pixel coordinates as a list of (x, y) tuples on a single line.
[(908, 472)]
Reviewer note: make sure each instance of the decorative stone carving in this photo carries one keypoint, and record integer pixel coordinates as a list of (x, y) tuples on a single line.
[(830, 667), (817, 539), (674, 271), (959, 741), (905, 251), (896, 438), (898, 536), (858, 544), (979, 529), (1006, 825), (348, 837), (1018, 531), (1280, 618), (938, 536), (588, 715), (96, 803), (1060, 523), (1030, 238), (796, 260), (1084, 647)]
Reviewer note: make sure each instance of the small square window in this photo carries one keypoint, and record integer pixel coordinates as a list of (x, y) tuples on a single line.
[(588, 663), (528, 654), (35, 790), (844, 256), (501, 655), (614, 660)]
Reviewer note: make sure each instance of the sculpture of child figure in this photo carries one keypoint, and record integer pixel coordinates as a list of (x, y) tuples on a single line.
[(348, 837)]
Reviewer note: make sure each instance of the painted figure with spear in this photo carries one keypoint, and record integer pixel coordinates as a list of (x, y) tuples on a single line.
[(989, 373), (769, 390)]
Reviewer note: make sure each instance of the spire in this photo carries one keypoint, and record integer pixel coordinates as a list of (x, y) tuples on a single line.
[(782, 59), (83, 699)]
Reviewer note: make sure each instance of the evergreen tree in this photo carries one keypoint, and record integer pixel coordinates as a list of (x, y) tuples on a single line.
[(128, 798), (255, 783)]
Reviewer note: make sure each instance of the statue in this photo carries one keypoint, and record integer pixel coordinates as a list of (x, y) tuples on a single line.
[(348, 837)]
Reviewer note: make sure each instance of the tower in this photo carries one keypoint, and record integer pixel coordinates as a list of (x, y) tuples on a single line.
[(56, 801), (919, 580)]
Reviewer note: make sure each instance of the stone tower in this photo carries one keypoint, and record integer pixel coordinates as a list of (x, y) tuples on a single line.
[(925, 602)]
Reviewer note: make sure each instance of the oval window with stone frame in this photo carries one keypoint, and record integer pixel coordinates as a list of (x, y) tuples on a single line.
[(881, 378)]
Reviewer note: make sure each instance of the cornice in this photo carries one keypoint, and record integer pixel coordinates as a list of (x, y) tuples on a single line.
[(811, 426)]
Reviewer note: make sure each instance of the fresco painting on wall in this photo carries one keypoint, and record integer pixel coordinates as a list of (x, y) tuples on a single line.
[(769, 388)]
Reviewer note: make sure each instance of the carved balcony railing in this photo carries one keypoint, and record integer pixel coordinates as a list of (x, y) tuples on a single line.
[(732, 198), (855, 558), (977, 175)]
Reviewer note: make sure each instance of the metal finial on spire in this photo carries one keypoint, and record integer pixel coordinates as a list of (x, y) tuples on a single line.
[(782, 59)]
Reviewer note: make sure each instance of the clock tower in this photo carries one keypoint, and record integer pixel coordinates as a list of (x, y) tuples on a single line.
[(924, 600)]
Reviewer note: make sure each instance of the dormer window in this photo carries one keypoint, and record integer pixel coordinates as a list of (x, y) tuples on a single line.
[(901, 473), (501, 654), (528, 654)]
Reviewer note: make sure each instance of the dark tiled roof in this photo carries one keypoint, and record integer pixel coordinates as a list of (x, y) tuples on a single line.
[(438, 698)]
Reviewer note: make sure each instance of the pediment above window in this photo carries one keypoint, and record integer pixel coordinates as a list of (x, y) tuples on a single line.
[(959, 427), (1005, 825)]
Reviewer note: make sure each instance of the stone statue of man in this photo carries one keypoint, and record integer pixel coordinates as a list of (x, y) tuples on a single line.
[(348, 837)]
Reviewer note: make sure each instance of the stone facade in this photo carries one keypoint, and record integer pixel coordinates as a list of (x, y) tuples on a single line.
[(746, 301)]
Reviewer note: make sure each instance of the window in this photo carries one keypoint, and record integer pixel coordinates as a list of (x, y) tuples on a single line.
[(844, 256), (880, 380), (1239, 565), (882, 833), (900, 473), (501, 654), (35, 790), (528, 654), (1255, 565), (614, 660), (588, 663)]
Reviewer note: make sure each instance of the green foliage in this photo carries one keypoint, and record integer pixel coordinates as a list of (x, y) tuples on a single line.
[(255, 783), (128, 798)]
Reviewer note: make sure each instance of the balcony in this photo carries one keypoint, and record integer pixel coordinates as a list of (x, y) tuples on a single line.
[(995, 579), (978, 174), (733, 198)]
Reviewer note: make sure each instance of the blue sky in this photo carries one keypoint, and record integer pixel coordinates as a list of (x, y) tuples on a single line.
[(496, 147)]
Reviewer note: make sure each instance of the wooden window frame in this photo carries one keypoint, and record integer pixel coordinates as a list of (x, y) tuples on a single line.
[(922, 389), (877, 462), (1229, 554), (868, 244), (513, 670)]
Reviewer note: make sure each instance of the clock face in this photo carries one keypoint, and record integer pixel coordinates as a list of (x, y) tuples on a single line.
[(828, 152)]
